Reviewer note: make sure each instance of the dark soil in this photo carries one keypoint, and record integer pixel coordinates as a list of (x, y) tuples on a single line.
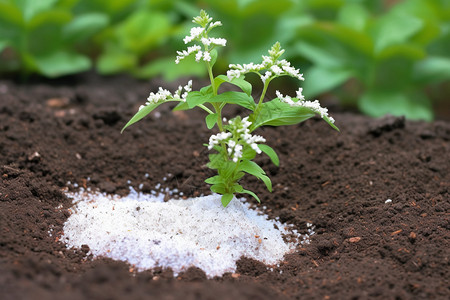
[(54, 133)]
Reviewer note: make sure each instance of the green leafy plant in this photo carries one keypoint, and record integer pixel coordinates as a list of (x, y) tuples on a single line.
[(43, 34), (235, 146), (380, 62)]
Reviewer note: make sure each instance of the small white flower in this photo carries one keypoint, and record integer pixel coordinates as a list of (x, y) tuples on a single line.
[(206, 56), (164, 95), (218, 41), (285, 99), (214, 24), (188, 87), (206, 41), (215, 139), (195, 33), (276, 69), (200, 34), (266, 76), (291, 71), (185, 53), (231, 74), (237, 152), (269, 64), (198, 56), (300, 94)]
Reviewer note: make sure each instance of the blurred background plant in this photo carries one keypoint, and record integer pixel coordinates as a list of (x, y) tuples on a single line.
[(379, 56)]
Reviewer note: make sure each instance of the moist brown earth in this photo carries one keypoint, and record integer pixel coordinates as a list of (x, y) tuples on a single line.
[(56, 132)]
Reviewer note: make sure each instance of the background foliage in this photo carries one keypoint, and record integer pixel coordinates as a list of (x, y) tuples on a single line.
[(381, 56)]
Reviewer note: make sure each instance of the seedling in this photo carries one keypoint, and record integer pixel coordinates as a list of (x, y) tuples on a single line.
[(235, 146)]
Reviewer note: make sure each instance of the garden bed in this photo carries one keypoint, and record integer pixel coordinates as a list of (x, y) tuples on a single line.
[(377, 194)]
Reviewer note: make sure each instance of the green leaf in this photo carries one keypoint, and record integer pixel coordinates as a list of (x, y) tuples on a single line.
[(143, 30), (54, 17), (207, 91), (213, 57), (237, 188), (3, 45), (244, 191), (403, 51), (354, 15), (252, 168), (413, 106), (214, 180), (241, 99), (84, 26), (112, 61), (31, 8), (226, 199), (141, 114), (318, 54), (433, 69), (227, 168), (181, 106), (248, 153), (196, 98), (245, 86), (62, 63), (277, 113), (218, 188), (211, 120), (237, 176), (395, 27), (270, 153), (323, 79), (11, 15), (215, 161)]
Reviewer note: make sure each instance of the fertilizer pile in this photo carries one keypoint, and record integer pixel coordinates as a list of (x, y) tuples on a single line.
[(147, 232)]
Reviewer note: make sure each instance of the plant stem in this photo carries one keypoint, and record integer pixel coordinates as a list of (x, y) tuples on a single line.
[(211, 77), (217, 106), (206, 109), (261, 99)]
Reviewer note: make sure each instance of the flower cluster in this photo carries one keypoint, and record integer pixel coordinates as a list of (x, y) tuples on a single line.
[(270, 64), (237, 137), (301, 102), (200, 34), (164, 95)]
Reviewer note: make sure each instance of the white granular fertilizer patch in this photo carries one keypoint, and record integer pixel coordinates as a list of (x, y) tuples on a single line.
[(147, 232)]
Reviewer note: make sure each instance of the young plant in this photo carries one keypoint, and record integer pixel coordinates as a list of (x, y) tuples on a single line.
[(235, 146)]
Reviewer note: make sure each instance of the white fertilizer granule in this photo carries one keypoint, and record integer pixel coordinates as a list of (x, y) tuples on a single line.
[(147, 232)]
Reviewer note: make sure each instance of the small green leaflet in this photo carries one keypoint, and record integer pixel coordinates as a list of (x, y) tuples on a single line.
[(218, 188), (245, 86), (244, 191), (226, 198), (181, 106), (214, 180), (213, 54), (255, 170), (277, 113), (270, 153), (145, 111), (211, 120), (197, 98)]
